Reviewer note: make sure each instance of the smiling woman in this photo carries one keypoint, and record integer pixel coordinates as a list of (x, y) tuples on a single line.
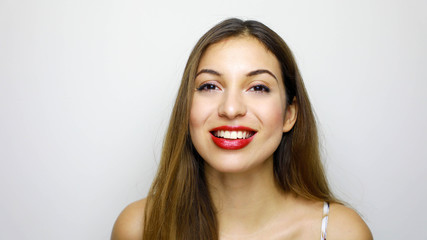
[(240, 159), (245, 97)]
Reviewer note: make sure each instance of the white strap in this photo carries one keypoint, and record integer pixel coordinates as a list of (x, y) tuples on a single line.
[(324, 220)]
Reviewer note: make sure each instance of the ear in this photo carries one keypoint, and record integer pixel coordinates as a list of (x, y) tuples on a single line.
[(290, 115)]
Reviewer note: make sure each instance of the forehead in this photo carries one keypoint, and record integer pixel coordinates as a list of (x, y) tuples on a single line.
[(239, 53)]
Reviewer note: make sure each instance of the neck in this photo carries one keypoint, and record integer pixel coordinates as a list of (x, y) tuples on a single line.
[(246, 201)]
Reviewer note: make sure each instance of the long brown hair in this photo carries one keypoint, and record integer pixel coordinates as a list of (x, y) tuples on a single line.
[(178, 204)]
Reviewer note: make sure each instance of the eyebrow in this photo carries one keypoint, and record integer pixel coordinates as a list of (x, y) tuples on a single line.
[(250, 74), (261, 71), (210, 71)]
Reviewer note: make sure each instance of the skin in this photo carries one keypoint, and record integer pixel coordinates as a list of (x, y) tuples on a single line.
[(231, 97), (250, 204)]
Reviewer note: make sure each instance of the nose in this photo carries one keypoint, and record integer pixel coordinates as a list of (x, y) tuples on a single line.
[(232, 105)]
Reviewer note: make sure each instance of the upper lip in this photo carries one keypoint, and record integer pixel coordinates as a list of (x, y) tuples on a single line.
[(233, 128)]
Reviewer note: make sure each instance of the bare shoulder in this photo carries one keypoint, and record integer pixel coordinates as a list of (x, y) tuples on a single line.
[(129, 224), (345, 223)]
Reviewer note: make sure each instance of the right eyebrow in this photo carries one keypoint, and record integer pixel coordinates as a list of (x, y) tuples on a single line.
[(209, 71)]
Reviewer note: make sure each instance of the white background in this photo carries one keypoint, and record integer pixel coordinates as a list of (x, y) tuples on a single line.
[(86, 89)]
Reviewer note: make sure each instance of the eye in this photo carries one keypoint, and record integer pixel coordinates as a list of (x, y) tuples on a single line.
[(260, 88), (207, 87)]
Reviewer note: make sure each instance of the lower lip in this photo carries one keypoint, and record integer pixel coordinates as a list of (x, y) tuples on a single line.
[(231, 144)]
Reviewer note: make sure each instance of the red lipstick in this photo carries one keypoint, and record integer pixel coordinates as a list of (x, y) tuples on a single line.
[(223, 137)]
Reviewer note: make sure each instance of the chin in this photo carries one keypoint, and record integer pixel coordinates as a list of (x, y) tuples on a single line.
[(235, 166)]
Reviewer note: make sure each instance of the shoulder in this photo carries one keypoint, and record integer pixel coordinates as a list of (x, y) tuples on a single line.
[(345, 223), (129, 224)]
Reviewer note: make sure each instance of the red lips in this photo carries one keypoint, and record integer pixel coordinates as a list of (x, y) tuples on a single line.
[(232, 144)]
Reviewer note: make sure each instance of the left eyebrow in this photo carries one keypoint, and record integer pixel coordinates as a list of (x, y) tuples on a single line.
[(261, 71), (209, 71)]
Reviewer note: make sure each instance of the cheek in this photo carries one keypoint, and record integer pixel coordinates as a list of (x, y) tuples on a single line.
[(194, 121), (199, 113), (272, 114)]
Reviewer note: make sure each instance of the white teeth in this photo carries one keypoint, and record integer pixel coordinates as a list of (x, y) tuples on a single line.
[(239, 134), (232, 134), (227, 134)]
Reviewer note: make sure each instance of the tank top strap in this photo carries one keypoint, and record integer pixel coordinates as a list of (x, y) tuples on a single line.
[(324, 220)]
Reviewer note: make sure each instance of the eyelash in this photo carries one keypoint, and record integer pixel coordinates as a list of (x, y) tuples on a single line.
[(207, 87), (260, 88), (257, 88)]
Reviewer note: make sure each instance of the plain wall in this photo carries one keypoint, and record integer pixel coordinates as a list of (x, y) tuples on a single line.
[(87, 87)]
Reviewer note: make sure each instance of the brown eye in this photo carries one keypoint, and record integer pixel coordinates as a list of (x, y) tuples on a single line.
[(207, 87), (260, 88)]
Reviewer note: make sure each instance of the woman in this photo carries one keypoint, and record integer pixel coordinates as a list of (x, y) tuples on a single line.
[(240, 158)]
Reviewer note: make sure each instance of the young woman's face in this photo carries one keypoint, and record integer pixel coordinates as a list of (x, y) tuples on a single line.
[(238, 111)]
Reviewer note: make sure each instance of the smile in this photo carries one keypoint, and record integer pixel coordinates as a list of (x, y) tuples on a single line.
[(233, 134), (232, 137)]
